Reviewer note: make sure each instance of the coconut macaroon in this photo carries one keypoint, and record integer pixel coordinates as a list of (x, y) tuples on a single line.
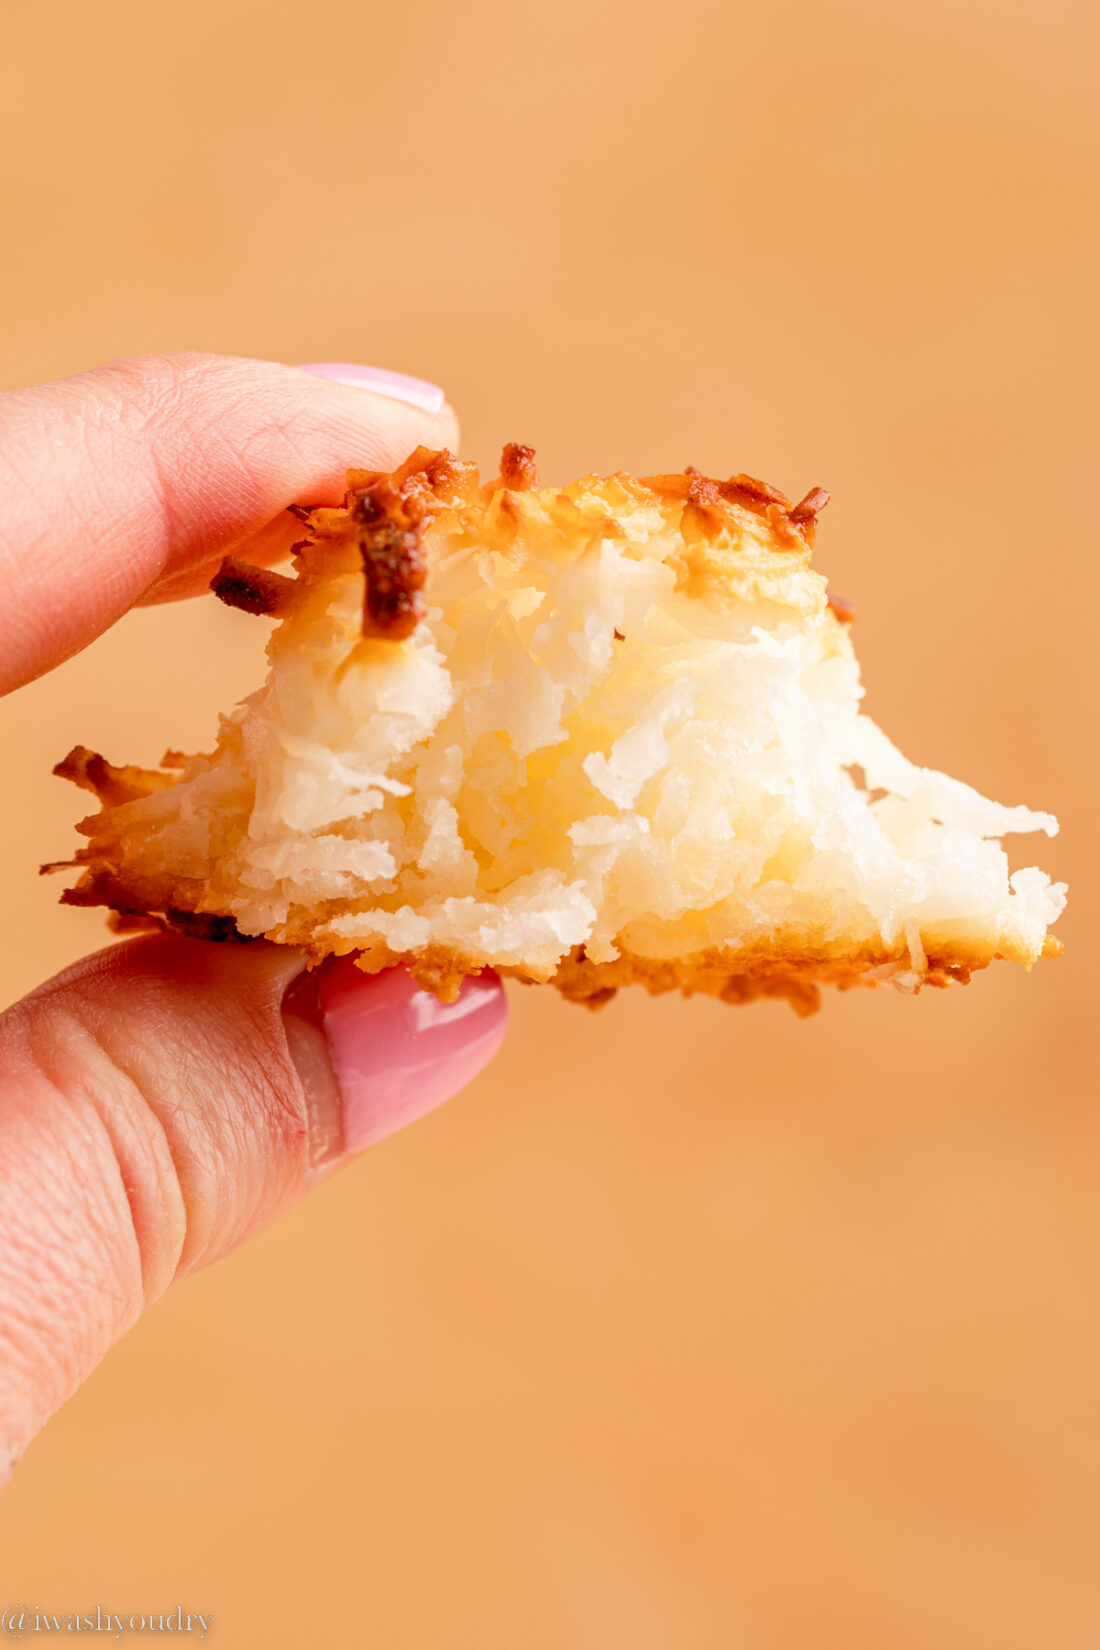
[(587, 736)]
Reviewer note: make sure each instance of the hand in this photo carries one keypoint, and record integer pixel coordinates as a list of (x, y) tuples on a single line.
[(165, 1098)]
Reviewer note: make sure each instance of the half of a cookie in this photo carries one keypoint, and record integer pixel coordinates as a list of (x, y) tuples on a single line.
[(588, 735)]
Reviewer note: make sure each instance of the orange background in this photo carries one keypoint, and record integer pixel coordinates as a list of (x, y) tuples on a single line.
[(685, 1326)]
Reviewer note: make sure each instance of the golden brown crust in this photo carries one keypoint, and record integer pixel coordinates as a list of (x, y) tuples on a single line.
[(742, 977), (388, 515), (712, 502), (731, 976)]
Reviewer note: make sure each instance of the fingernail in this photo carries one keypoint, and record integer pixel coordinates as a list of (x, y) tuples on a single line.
[(375, 1052), (415, 392)]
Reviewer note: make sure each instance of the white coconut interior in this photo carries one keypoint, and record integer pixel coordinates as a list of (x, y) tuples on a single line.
[(572, 750)]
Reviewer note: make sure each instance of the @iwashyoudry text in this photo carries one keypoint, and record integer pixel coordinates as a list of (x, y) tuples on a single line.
[(19, 1621)]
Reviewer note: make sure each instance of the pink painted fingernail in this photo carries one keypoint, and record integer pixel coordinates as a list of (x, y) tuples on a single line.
[(375, 1052), (415, 392)]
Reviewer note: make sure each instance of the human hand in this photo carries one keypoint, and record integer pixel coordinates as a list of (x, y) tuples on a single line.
[(165, 1098)]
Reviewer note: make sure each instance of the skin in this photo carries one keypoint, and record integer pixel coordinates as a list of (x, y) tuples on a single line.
[(156, 1107)]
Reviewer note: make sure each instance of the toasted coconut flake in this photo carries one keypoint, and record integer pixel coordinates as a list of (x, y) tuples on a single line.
[(113, 786), (517, 468), (390, 524), (253, 589)]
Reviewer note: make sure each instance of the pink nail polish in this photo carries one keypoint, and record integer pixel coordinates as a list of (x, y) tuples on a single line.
[(397, 1052), (415, 392)]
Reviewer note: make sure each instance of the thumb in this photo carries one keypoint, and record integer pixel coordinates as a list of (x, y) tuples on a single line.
[(130, 482), (164, 1099)]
